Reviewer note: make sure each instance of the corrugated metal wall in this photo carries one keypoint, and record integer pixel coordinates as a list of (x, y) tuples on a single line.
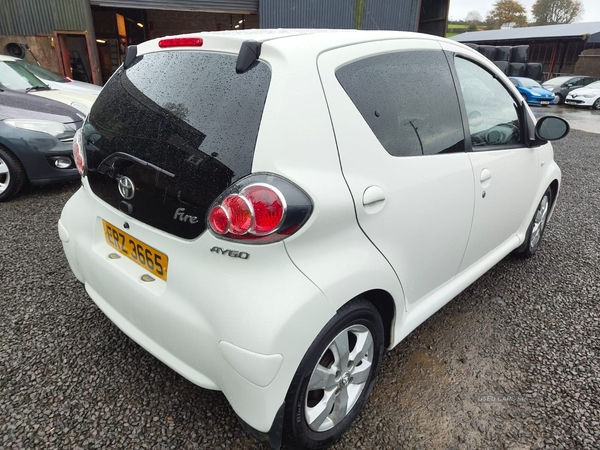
[(31, 17), (307, 13), (390, 15), (376, 14), (228, 6)]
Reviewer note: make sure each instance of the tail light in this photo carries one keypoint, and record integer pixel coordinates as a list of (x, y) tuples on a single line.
[(180, 42), (260, 208), (79, 153)]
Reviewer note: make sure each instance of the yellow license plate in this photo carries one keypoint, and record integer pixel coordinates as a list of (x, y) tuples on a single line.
[(149, 258)]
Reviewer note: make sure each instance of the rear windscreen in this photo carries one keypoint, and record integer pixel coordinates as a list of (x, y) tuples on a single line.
[(182, 125)]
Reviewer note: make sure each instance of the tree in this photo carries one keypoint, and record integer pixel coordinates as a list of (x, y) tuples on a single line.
[(507, 11), (550, 12), (474, 18)]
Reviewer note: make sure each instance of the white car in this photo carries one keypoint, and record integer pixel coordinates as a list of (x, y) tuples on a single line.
[(586, 96), (267, 211), (15, 77), (53, 80)]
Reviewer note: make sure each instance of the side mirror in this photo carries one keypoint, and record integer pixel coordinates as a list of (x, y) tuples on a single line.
[(551, 128), (570, 85)]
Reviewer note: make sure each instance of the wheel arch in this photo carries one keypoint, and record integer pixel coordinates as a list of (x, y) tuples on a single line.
[(17, 155), (386, 306)]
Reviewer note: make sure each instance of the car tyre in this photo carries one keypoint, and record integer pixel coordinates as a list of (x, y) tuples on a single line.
[(558, 99), (596, 104), (536, 227), (335, 377), (12, 175)]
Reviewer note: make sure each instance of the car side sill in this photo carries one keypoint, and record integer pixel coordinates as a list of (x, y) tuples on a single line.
[(429, 305)]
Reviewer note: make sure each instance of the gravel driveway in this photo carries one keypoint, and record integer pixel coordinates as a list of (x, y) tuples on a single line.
[(513, 362)]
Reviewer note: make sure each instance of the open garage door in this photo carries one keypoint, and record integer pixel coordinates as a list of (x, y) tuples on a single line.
[(233, 6)]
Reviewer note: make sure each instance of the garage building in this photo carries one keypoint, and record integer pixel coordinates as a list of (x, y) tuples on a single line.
[(86, 39)]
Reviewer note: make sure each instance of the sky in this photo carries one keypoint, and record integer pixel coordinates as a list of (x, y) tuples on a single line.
[(460, 8)]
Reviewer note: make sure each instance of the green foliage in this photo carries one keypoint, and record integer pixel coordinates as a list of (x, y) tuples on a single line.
[(506, 11), (550, 12)]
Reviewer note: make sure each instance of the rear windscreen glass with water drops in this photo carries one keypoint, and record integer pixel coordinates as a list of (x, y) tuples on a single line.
[(182, 126)]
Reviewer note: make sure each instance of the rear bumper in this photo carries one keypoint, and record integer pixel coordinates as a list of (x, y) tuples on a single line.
[(239, 326)]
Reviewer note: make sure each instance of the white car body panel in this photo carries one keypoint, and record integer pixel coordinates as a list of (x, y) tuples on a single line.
[(438, 189), (509, 194), (79, 101), (208, 320), (182, 321), (586, 95), (74, 86), (326, 255)]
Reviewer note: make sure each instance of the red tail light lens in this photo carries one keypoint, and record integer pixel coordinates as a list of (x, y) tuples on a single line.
[(268, 208), (255, 210), (240, 214), (79, 153), (180, 42), (218, 220)]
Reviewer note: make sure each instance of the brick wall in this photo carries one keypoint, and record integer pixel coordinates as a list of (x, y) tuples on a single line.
[(165, 23)]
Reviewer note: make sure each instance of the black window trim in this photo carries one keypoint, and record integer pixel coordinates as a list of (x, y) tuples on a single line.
[(519, 101)]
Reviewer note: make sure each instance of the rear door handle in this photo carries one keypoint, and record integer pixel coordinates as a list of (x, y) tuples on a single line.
[(373, 199)]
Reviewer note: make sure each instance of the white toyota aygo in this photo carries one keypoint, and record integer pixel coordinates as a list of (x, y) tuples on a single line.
[(267, 211)]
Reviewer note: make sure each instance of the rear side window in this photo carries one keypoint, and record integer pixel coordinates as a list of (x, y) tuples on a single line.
[(409, 101)]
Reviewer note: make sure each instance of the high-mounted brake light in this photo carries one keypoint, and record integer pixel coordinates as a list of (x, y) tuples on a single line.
[(79, 153), (181, 42), (260, 208)]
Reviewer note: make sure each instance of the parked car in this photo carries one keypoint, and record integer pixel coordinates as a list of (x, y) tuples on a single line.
[(36, 141), (266, 211), (532, 91), (586, 96), (17, 78), (53, 80), (561, 86)]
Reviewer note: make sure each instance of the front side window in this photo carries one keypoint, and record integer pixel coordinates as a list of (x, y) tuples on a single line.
[(409, 101), (576, 81), (491, 110)]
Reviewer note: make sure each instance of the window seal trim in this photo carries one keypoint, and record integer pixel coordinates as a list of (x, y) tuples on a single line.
[(461, 102)]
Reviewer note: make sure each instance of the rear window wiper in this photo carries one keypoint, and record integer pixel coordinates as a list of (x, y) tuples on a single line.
[(107, 166)]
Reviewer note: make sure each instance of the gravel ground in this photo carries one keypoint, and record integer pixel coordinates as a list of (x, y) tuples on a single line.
[(513, 362)]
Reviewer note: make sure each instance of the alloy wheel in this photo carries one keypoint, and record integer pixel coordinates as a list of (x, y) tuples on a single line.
[(539, 222), (339, 378), (4, 176)]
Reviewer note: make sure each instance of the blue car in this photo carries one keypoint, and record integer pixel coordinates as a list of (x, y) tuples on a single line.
[(532, 91)]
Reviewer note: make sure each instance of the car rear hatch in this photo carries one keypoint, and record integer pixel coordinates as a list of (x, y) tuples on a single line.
[(168, 134)]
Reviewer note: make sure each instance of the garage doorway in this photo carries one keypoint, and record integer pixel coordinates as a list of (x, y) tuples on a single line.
[(72, 49)]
